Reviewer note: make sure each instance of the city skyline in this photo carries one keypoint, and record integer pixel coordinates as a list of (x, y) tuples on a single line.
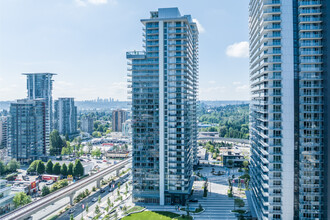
[(87, 49)]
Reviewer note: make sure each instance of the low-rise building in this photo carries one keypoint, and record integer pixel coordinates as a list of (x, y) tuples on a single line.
[(235, 156), (6, 198)]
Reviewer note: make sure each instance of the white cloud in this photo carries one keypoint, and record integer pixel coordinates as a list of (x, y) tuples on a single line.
[(212, 82), (237, 83), (239, 50), (242, 88), (95, 2), (199, 26)]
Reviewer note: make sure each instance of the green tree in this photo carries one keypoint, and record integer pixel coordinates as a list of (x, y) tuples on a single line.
[(56, 143), (64, 169), (71, 217), (70, 169), (40, 167), (238, 202), (13, 165), (21, 199), (2, 168), (97, 209), (245, 163), (33, 166), (87, 208), (57, 168), (99, 199), (45, 191), (49, 167), (78, 169), (108, 201), (96, 152)]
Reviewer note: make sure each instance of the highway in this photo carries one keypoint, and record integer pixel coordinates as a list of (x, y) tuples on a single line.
[(89, 200), (29, 209)]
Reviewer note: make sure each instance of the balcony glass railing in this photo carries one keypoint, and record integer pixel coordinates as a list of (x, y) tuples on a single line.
[(306, 3), (309, 11)]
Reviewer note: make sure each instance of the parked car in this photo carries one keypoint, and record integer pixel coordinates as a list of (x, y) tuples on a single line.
[(193, 200), (49, 182)]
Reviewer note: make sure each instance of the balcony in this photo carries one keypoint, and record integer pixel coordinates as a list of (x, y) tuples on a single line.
[(309, 3), (136, 55), (309, 11)]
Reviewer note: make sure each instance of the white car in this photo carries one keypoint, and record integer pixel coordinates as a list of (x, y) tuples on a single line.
[(94, 199), (50, 182)]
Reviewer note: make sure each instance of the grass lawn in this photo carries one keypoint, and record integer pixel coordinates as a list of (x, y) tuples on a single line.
[(134, 209), (148, 215)]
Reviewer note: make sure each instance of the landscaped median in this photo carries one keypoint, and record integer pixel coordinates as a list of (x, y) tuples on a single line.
[(149, 215)]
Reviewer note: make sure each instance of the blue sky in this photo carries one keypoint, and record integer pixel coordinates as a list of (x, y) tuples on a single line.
[(85, 41)]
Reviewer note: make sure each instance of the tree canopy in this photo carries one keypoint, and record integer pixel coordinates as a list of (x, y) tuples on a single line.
[(57, 168), (21, 199), (13, 165), (231, 121), (70, 169), (40, 167), (64, 169), (78, 169), (56, 143), (49, 167)]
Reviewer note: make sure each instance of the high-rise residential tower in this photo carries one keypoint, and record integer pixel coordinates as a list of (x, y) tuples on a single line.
[(40, 86), (3, 132), (289, 76), (87, 124), (27, 130), (164, 92), (118, 118), (65, 116)]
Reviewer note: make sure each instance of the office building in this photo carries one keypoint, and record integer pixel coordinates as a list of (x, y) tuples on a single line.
[(27, 130), (87, 124), (65, 116), (40, 86), (164, 91), (118, 118), (289, 79), (3, 132)]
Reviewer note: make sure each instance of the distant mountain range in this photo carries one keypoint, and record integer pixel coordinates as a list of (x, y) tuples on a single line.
[(110, 105)]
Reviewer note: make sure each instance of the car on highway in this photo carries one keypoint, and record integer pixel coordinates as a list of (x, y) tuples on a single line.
[(102, 190), (94, 199), (71, 211)]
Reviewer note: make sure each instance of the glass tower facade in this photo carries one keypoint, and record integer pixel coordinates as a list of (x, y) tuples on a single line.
[(27, 130), (288, 79), (40, 86), (66, 118), (164, 91)]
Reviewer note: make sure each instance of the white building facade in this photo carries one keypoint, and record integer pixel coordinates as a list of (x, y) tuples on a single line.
[(164, 92), (288, 86)]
